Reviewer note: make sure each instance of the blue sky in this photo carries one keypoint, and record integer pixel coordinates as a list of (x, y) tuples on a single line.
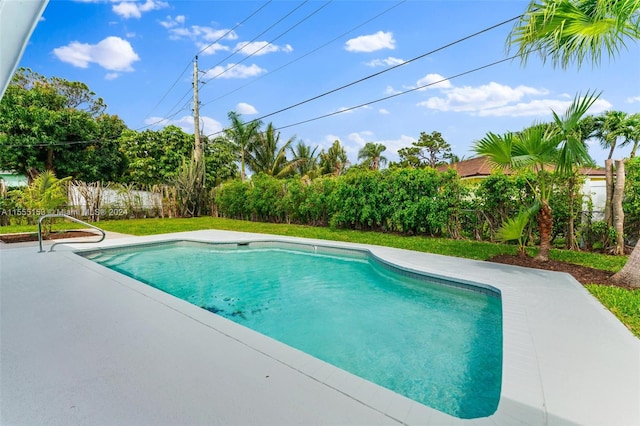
[(132, 53)]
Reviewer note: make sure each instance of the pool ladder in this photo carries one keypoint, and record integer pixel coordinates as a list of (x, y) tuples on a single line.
[(66, 216)]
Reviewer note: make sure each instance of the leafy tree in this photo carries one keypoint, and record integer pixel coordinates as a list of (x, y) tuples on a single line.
[(154, 157), (334, 161), (242, 137), (220, 160), (429, 150), (371, 155), (539, 146), (265, 156), (55, 124), (575, 31), (631, 202)]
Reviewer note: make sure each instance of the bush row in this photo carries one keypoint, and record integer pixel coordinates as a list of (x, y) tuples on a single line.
[(408, 201)]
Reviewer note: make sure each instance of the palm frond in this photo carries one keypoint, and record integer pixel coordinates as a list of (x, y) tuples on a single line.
[(497, 149), (574, 31), (513, 228)]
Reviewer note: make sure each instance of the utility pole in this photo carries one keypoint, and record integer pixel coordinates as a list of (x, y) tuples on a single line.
[(197, 152)]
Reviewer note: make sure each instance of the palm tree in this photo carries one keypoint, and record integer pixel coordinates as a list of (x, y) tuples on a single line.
[(536, 148), (632, 133), (242, 136), (334, 161), (572, 131), (571, 31), (266, 157), (610, 126), (371, 154), (306, 159), (574, 31)]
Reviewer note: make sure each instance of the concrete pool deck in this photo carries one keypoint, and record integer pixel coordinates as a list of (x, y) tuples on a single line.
[(81, 344)]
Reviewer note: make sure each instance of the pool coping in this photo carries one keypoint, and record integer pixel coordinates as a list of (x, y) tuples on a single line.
[(561, 364)]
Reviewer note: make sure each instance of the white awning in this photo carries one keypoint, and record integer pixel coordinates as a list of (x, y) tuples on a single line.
[(18, 19)]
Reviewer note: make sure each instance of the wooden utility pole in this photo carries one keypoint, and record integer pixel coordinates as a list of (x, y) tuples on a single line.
[(197, 152)]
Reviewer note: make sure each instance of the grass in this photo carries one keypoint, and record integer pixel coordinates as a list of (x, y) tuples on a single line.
[(478, 250), (623, 303)]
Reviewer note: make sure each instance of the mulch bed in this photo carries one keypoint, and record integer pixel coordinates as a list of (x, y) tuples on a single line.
[(30, 236), (582, 274)]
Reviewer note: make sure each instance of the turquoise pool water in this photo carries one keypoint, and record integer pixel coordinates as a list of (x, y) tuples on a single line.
[(437, 344)]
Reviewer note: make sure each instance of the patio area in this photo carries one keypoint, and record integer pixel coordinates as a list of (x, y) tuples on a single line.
[(82, 344)]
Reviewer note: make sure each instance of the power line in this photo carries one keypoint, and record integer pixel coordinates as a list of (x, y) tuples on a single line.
[(272, 41), (308, 53), (234, 28), (353, 83), (400, 93), (233, 53), (189, 63), (259, 35)]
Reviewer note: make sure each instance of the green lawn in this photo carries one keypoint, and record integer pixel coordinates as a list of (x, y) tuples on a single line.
[(625, 304)]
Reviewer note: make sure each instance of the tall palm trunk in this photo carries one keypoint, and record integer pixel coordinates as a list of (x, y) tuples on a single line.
[(545, 225), (608, 168), (571, 233), (616, 207), (630, 274)]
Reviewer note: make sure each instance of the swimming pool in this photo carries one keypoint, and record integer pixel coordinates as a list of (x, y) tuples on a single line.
[(439, 343)]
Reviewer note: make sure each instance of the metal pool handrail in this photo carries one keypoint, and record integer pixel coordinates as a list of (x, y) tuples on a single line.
[(66, 216)]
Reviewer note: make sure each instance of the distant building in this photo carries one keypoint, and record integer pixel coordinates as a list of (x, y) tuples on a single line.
[(475, 169)]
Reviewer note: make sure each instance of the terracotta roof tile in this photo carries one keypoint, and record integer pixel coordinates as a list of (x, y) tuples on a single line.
[(480, 166)]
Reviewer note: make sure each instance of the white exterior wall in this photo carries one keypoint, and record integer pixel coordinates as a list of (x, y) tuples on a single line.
[(595, 189)]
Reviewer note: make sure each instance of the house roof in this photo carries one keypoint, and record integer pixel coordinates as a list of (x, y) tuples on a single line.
[(480, 166)]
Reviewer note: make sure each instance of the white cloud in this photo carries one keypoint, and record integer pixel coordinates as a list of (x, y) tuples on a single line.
[(42, 19), (384, 62), (111, 76), (112, 53), (234, 71), (356, 140), (130, 35), (246, 109), (173, 22), (393, 145), (371, 43), (197, 32), (258, 48), (540, 107), (133, 9), (383, 111), (207, 124), (391, 91), (475, 99), (361, 138), (633, 99), (210, 49), (433, 81)]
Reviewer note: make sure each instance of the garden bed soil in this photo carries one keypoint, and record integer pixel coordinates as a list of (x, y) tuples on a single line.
[(32, 236), (582, 274)]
